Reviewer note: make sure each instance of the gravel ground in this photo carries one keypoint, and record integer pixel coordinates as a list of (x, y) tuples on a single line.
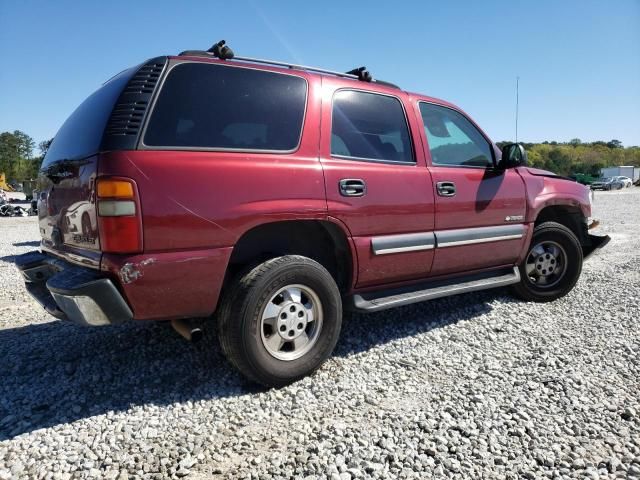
[(474, 386)]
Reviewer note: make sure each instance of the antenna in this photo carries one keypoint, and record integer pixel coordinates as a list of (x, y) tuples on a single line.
[(517, 98)]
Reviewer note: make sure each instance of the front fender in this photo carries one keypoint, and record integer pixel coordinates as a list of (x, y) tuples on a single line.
[(540, 202)]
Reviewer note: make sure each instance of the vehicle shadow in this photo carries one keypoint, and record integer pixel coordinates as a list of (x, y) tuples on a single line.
[(57, 372), (12, 258), (9, 258), (361, 332), (27, 244)]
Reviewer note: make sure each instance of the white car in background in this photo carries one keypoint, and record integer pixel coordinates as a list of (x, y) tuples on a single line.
[(626, 181)]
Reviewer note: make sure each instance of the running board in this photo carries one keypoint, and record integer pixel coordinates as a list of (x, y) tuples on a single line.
[(382, 300)]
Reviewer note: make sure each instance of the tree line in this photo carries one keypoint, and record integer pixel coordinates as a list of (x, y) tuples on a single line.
[(576, 156), (19, 159)]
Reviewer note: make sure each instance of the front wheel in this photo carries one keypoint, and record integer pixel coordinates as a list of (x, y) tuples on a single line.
[(281, 320), (552, 266)]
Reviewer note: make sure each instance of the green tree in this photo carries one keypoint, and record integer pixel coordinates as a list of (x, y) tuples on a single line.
[(16, 156), (576, 156)]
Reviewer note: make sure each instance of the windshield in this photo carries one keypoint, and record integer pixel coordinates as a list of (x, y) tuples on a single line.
[(81, 134)]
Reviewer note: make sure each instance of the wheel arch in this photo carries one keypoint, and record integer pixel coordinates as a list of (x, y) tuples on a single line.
[(571, 216), (321, 240)]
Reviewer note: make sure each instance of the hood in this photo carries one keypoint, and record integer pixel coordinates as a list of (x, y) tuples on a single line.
[(546, 173), (540, 173)]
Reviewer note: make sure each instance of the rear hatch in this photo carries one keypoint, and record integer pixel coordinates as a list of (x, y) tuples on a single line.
[(109, 119), (66, 184)]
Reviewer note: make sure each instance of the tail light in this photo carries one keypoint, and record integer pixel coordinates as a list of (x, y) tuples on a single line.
[(119, 216)]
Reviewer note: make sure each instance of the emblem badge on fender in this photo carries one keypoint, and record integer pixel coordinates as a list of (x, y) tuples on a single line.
[(514, 218)]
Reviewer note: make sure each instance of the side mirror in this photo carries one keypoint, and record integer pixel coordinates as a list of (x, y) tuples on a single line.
[(513, 155)]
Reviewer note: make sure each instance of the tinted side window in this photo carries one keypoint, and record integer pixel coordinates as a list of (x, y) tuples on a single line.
[(369, 126), (454, 140), (215, 106)]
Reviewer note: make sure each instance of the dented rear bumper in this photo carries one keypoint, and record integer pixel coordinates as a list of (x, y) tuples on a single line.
[(69, 292)]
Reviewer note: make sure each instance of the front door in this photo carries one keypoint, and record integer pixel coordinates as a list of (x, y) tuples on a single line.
[(480, 210), (376, 182)]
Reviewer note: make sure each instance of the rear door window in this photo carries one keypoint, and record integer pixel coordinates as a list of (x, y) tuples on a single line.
[(454, 140), (369, 126), (205, 106)]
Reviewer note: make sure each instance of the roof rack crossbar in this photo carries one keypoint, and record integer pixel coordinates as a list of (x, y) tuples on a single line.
[(362, 73)]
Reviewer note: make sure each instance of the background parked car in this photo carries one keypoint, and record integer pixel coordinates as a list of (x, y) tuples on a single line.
[(626, 181), (608, 183), (583, 178)]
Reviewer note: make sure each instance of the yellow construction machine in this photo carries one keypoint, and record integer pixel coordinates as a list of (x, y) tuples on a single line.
[(4, 185)]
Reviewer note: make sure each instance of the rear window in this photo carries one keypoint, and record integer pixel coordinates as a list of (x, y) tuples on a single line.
[(81, 134), (204, 106)]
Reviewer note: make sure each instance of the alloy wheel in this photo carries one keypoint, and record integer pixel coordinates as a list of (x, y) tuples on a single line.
[(291, 322), (546, 264)]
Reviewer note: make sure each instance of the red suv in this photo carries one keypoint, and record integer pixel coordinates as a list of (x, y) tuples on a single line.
[(269, 197)]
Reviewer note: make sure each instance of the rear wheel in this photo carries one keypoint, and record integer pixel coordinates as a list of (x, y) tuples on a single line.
[(281, 320), (552, 266)]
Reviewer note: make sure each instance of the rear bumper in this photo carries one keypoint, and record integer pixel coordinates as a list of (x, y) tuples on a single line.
[(70, 292)]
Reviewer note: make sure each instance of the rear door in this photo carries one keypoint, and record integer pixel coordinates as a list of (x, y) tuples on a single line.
[(480, 210), (376, 181)]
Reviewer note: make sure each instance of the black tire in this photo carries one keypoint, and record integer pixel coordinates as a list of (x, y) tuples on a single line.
[(240, 326), (551, 233)]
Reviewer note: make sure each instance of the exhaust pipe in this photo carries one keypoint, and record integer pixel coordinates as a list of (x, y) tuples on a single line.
[(193, 334)]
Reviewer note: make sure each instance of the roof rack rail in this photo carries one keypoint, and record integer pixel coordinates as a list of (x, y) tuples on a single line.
[(223, 52)]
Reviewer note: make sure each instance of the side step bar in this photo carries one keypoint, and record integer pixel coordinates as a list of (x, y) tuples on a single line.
[(382, 300)]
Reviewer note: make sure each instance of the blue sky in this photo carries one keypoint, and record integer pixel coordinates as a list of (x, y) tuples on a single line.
[(578, 61)]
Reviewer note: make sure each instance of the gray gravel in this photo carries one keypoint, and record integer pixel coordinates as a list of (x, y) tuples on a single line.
[(479, 385)]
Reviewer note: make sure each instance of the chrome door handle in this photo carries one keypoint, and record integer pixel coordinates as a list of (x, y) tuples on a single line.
[(352, 187), (446, 189)]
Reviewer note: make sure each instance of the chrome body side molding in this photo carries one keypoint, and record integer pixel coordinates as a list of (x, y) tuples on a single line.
[(408, 242), (468, 236), (411, 242)]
